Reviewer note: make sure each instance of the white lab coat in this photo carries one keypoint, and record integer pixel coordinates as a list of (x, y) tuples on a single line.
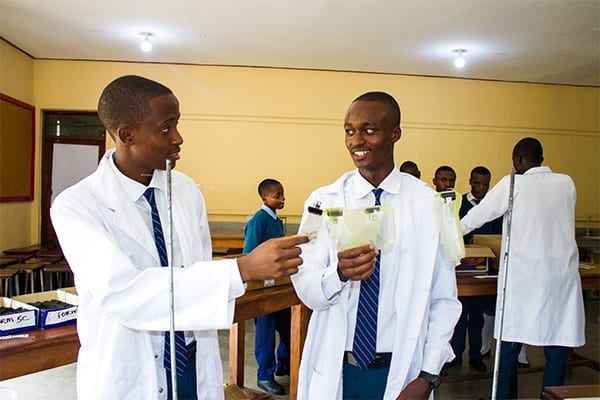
[(123, 293), (544, 303), (424, 294)]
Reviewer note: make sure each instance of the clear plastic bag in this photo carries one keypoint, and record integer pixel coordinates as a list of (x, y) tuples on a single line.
[(312, 223), (357, 227), (447, 207)]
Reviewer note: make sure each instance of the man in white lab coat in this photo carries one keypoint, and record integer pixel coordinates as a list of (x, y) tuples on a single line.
[(106, 229), (544, 303), (417, 304)]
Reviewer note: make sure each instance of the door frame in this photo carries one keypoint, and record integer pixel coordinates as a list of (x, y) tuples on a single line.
[(47, 235)]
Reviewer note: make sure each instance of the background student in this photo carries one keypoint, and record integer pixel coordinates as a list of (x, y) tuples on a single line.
[(444, 178), (471, 318), (410, 167), (265, 225)]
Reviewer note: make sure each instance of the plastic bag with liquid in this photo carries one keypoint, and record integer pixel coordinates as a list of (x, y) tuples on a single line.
[(357, 227)]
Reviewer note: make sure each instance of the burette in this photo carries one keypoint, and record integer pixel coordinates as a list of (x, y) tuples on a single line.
[(502, 288), (169, 240)]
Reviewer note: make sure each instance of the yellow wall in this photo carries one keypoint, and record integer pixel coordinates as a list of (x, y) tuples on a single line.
[(18, 220), (241, 125)]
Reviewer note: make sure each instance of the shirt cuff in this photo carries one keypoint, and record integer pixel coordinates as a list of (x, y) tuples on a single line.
[(331, 283), (237, 287), (433, 361)]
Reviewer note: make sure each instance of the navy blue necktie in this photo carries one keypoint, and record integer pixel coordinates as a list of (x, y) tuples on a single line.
[(181, 356), (365, 332)]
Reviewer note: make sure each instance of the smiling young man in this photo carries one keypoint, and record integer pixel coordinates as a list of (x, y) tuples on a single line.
[(397, 349), (111, 229)]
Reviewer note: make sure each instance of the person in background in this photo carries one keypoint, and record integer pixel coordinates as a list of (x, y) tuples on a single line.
[(480, 183), (111, 227), (471, 318), (265, 225), (382, 318), (444, 178), (543, 300), (410, 167), (479, 180)]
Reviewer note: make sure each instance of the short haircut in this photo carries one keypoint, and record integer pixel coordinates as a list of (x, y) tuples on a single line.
[(406, 165), (530, 149), (382, 97), (266, 184), (125, 101), (444, 168), (481, 170)]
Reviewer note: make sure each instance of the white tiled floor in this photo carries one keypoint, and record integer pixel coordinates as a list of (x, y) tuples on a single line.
[(59, 383)]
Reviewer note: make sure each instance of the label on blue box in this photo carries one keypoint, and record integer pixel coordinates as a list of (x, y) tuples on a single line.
[(58, 317), (18, 322)]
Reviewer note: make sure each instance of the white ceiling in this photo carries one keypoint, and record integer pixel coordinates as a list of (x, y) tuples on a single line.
[(545, 41)]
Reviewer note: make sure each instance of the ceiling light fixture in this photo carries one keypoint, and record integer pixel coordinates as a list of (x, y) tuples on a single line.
[(146, 44), (459, 61)]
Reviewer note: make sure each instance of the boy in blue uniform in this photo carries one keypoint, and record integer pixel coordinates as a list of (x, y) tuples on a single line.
[(265, 225), (471, 318)]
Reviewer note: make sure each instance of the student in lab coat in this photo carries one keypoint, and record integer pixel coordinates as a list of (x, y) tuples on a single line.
[(544, 302), (105, 228), (417, 306)]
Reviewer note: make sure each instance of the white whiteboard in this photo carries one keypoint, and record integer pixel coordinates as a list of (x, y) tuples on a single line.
[(70, 164)]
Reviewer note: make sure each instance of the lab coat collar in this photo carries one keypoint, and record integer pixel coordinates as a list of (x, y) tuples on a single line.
[(133, 189), (537, 170), (116, 197)]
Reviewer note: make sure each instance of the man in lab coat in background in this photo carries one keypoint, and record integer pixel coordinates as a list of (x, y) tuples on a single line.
[(544, 302)]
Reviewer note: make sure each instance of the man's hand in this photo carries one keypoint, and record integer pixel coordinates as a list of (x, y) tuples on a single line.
[(272, 259), (357, 263), (418, 389)]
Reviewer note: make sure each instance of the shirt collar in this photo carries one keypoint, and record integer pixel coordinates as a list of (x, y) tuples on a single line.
[(133, 189), (391, 184), (537, 170), (269, 211)]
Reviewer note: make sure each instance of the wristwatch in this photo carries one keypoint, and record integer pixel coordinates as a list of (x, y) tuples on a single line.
[(434, 380)]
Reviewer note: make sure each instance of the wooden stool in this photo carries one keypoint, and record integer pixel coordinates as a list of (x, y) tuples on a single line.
[(55, 252), (23, 251), (40, 272), (59, 271), (30, 270), (5, 261), (572, 392), (7, 276), (42, 260)]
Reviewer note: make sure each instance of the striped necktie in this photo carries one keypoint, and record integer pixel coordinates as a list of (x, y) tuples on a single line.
[(365, 332), (181, 356)]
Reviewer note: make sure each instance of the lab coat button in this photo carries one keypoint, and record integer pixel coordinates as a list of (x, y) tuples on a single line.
[(156, 356), (161, 390)]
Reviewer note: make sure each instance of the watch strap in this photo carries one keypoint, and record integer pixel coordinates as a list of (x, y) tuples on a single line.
[(434, 380)]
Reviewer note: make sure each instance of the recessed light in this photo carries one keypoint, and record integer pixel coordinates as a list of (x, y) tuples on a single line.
[(459, 61), (146, 44)]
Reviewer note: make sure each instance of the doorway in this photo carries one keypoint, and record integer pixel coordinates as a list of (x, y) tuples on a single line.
[(73, 144)]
